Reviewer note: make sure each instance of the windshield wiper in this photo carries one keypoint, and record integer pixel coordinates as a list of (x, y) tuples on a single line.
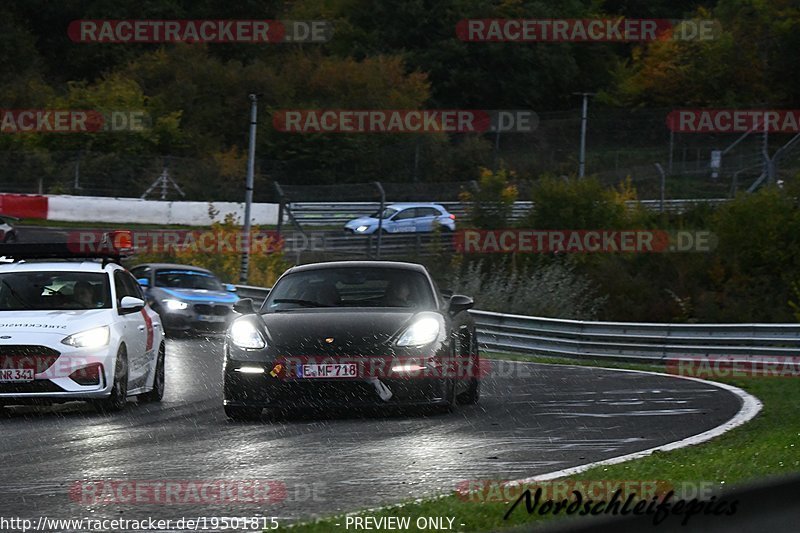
[(304, 303)]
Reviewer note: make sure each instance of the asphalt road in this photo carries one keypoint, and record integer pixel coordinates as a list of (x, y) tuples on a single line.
[(531, 419)]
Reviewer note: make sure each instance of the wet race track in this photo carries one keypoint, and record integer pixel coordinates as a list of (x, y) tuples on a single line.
[(531, 419)]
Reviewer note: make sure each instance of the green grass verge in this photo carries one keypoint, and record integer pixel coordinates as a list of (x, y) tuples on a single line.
[(769, 445)]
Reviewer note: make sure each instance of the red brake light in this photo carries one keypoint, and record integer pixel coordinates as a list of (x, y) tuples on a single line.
[(452, 217)]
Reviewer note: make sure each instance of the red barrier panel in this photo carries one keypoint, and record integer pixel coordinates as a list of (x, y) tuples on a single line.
[(23, 205)]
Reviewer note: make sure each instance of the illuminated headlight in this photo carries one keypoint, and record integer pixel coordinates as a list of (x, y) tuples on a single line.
[(361, 229), (407, 368), (245, 335), (175, 305), (91, 338), (423, 331)]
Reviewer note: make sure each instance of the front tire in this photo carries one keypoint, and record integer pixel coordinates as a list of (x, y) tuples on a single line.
[(119, 391), (157, 393), (242, 414), (473, 392)]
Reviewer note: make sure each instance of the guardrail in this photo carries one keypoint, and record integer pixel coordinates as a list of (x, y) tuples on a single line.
[(337, 213), (257, 294), (633, 341), (335, 244), (627, 341)]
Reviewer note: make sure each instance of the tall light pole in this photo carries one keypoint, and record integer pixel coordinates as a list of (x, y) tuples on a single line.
[(584, 119), (248, 194)]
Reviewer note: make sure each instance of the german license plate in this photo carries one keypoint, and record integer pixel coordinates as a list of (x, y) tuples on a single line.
[(332, 370), (16, 374), (210, 318)]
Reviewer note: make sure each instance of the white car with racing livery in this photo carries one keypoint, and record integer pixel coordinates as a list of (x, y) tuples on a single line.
[(75, 330)]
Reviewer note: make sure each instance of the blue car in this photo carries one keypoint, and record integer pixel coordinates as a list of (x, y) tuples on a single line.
[(187, 298), (404, 218)]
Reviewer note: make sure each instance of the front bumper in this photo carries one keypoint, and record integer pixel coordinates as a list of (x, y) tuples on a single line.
[(261, 390), (66, 375), (197, 317), (271, 388)]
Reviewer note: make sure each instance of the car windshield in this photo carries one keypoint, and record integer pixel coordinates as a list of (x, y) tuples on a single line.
[(387, 213), (25, 291), (351, 287), (187, 279)]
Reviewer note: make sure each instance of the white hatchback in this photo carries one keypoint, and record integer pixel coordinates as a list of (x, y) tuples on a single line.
[(77, 331)]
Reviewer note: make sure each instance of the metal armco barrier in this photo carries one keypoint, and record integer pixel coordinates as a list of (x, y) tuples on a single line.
[(337, 213), (257, 294), (627, 341), (651, 343)]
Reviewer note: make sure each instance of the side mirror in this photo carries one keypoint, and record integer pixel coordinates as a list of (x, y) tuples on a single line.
[(130, 304), (244, 306), (143, 282), (230, 287), (459, 302)]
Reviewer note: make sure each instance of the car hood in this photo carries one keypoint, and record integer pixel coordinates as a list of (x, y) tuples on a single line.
[(362, 221), (199, 295), (304, 332), (35, 324)]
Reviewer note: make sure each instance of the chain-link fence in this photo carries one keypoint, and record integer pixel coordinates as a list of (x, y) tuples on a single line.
[(620, 144)]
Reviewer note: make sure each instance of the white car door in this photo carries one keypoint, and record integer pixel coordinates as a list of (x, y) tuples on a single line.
[(137, 331)]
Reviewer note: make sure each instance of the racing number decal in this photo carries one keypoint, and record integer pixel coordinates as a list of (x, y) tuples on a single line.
[(148, 323)]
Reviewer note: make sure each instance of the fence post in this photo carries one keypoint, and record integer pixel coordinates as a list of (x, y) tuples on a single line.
[(279, 190), (380, 217)]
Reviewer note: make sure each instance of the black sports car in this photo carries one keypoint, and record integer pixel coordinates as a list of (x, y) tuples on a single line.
[(351, 334)]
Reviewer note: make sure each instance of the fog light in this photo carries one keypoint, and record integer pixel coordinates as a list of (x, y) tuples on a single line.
[(88, 375), (250, 370), (407, 368)]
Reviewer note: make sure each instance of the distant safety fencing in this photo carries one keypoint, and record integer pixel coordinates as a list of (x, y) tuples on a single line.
[(338, 213)]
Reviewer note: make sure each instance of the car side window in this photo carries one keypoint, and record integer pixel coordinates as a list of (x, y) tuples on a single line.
[(119, 287), (427, 212), (133, 286), (405, 214), (125, 285)]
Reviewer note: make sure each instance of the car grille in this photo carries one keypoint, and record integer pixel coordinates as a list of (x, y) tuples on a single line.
[(40, 358), (26, 350), (208, 309)]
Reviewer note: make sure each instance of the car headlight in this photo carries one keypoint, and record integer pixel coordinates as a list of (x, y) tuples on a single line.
[(244, 334), (362, 228), (174, 305), (91, 338), (423, 331)]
